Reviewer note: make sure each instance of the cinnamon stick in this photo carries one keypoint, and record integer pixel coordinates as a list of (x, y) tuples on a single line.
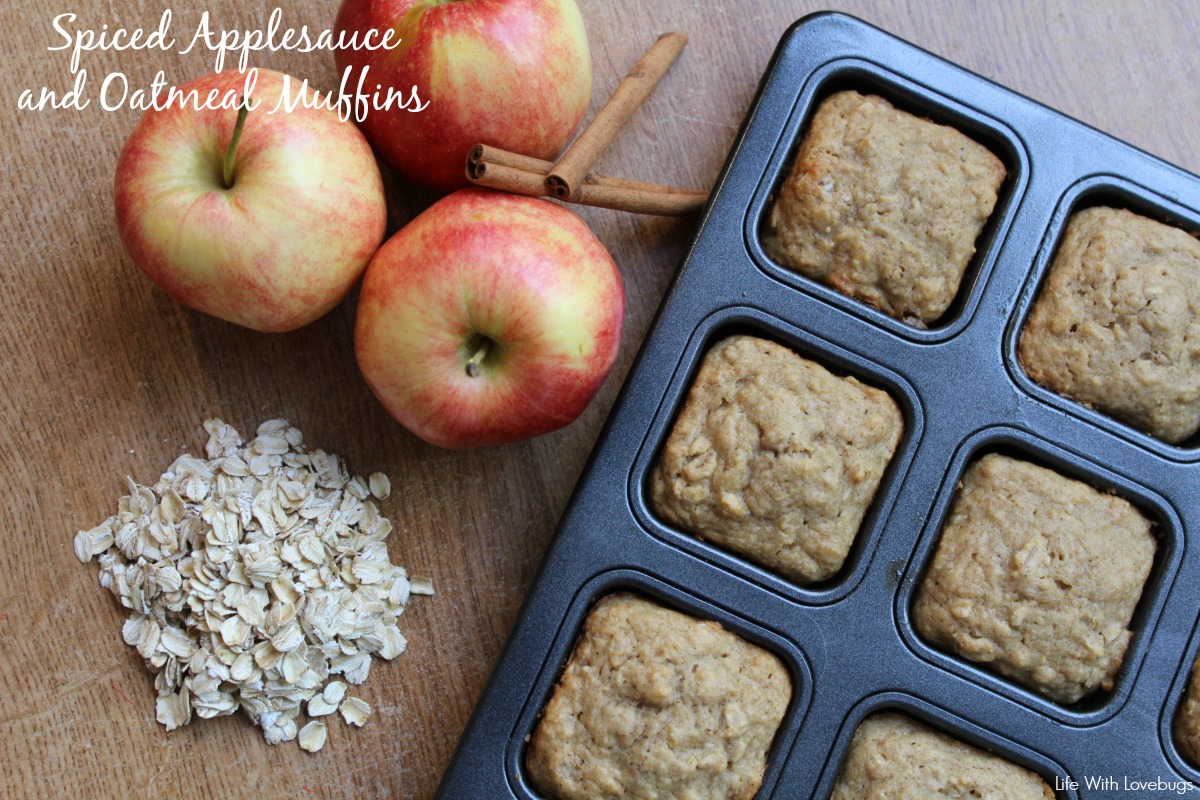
[(512, 172), (482, 154), (565, 180), (676, 203), (510, 179)]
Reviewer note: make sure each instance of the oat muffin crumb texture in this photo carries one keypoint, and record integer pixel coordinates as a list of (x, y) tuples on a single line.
[(1117, 324), (1187, 719), (655, 703), (894, 757), (1036, 575), (884, 206), (775, 457)]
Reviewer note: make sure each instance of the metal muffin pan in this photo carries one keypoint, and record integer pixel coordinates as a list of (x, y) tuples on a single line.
[(849, 642)]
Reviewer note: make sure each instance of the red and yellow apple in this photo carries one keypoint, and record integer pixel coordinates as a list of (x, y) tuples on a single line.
[(280, 242), (490, 318), (514, 74)]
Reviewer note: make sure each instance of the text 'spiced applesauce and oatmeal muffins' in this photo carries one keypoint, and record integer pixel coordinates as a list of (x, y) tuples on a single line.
[(884, 206), (655, 703)]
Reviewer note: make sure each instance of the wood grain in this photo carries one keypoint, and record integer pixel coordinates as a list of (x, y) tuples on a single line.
[(104, 376)]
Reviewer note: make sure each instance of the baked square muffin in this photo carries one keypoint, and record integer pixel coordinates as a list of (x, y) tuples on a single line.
[(1187, 719), (884, 206), (1036, 575), (775, 458), (894, 757), (1117, 324), (654, 703)]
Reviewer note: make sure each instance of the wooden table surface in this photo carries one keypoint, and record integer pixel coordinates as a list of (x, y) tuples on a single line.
[(104, 376)]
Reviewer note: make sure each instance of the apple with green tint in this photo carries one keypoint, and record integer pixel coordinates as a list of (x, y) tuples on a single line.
[(515, 74), (490, 318), (264, 217)]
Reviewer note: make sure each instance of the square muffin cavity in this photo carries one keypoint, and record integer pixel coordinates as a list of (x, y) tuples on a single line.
[(1187, 719), (884, 206), (657, 703), (1117, 324), (893, 756), (775, 458), (1036, 575)]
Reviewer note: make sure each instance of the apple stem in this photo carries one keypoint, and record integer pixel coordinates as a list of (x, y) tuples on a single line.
[(243, 110), (477, 359)]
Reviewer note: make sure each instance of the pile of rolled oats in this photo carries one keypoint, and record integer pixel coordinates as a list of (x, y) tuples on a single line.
[(252, 578)]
